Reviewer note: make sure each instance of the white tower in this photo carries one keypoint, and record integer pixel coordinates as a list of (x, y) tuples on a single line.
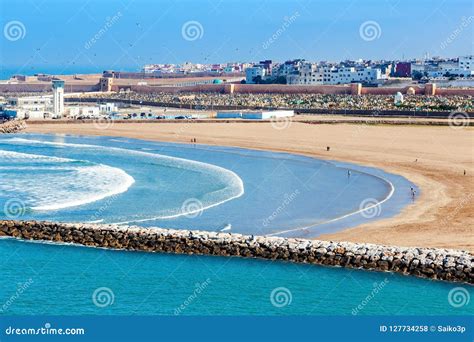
[(58, 97)]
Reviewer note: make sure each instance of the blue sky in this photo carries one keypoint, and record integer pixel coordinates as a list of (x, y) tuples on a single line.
[(57, 34)]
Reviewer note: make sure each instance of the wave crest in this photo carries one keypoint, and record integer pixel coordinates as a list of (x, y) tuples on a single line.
[(52, 183)]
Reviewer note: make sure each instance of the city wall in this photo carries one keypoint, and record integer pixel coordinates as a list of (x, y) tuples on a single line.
[(441, 264), (352, 89), (45, 87)]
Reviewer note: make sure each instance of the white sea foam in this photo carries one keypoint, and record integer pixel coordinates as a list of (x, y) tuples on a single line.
[(234, 185), (52, 183)]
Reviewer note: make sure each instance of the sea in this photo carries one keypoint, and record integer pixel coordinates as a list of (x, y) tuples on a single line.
[(191, 186)]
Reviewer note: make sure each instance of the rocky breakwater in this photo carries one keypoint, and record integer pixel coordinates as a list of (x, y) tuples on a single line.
[(442, 264), (12, 126)]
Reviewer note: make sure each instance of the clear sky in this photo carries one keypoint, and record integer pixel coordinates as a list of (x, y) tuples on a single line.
[(73, 35)]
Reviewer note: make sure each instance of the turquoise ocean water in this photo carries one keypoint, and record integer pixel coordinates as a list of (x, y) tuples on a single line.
[(110, 180)]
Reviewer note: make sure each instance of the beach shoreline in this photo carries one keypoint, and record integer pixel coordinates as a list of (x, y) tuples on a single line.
[(441, 217)]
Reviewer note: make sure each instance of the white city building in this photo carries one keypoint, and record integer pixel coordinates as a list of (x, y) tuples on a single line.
[(30, 101), (466, 62), (30, 107), (88, 112), (313, 74), (255, 115), (253, 72), (305, 73), (108, 108)]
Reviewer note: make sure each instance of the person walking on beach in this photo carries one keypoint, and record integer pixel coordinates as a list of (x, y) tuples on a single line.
[(349, 173), (413, 194)]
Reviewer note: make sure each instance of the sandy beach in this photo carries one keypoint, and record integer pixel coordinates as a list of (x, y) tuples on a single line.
[(433, 157)]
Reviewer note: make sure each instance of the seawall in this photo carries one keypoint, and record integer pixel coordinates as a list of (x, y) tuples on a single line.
[(348, 112), (441, 264)]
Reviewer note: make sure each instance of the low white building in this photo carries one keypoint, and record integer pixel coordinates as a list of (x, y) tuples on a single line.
[(108, 108), (83, 111), (31, 101), (30, 107), (255, 115), (30, 114)]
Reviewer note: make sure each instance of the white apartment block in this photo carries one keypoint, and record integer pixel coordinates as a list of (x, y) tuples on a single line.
[(312, 74), (253, 72), (466, 62)]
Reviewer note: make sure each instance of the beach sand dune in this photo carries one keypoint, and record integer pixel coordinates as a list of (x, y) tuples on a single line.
[(433, 157)]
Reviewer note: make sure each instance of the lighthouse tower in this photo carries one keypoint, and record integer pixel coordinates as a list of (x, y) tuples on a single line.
[(58, 98)]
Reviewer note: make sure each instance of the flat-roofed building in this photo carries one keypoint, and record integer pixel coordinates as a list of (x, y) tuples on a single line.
[(255, 115)]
